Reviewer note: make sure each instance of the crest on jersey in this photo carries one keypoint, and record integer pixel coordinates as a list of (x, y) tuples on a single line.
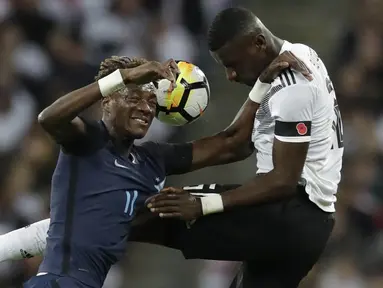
[(159, 185), (301, 129)]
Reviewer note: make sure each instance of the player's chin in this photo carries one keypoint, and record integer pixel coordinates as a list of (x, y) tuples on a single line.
[(138, 130)]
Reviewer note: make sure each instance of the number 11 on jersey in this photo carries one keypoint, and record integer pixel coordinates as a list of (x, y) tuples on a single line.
[(131, 197)]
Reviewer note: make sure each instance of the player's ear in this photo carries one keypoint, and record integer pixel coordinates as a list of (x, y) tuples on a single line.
[(258, 42), (106, 104)]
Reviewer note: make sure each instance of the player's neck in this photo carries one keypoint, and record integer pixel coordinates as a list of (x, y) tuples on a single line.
[(123, 146), (275, 47)]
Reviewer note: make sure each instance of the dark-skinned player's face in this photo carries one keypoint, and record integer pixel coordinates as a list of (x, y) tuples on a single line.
[(244, 58), (131, 111)]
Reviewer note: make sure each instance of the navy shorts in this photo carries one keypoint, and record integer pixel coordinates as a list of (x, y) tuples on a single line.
[(53, 281)]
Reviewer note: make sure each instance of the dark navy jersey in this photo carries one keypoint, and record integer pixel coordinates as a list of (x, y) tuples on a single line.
[(95, 193)]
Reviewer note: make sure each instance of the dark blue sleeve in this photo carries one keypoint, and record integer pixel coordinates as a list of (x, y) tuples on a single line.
[(87, 143), (176, 158)]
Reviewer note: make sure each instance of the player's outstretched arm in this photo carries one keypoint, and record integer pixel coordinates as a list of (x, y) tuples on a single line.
[(61, 119), (234, 143), (23, 243)]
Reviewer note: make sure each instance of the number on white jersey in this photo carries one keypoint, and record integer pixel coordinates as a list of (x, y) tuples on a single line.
[(337, 124)]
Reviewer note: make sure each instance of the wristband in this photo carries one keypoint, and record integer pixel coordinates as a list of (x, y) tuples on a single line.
[(259, 91), (111, 83), (211, 203)]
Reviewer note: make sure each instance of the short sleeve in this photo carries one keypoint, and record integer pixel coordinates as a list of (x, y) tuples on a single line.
[(176, 158), (292, 109)]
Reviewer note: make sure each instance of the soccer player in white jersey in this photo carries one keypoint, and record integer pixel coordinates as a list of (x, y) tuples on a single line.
[(278, 222), (282, 217)]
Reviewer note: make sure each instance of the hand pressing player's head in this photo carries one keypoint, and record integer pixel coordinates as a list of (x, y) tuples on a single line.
[(128, 112), (245, 47)]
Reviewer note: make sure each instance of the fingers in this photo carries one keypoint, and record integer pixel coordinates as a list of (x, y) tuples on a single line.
[(169, 209), (281, 66), (173, 66), (273, 70), (153, 70), (170, 215), (298, 62), (163, 203), (166, 208), (172, 190), (151, 202), (298, 65), (161, 71), (166, 73), (171, 70)]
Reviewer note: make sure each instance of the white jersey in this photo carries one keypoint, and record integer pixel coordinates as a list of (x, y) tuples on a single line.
[(297, 110)]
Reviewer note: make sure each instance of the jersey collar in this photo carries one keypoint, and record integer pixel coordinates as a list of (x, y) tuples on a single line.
[(285, 47)]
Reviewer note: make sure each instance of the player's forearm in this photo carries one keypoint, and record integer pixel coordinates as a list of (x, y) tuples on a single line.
[(230, 145), (263, 188), (218, 150), (67, 107), (23, 243)]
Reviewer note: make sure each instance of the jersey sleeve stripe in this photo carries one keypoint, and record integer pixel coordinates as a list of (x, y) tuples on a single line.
[(287, 78), (294, 139), (292, 129), (292, 76)]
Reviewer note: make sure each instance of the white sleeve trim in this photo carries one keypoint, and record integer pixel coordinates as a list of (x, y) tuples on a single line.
[(25, 242), (300, 139)]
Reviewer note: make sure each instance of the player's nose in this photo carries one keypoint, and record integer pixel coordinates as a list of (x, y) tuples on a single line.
[(231, 75), (144, 106)]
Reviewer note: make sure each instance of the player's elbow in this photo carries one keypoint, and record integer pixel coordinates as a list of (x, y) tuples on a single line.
[(243, 152), (285, 182), (43, 119), (47, 119), (237, 151), (237, 141)]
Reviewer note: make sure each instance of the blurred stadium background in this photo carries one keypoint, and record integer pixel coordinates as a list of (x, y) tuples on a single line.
[(49, 47)]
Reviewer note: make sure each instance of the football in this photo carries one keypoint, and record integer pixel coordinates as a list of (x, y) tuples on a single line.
[(188, 101)]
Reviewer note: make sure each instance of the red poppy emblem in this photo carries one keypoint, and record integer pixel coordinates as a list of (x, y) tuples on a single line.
[(301, 128)]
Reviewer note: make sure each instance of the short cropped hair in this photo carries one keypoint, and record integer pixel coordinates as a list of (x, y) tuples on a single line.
[(113, 63), (228, 24)]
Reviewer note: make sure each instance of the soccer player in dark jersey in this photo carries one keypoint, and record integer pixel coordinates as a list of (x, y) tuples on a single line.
[(101, 177)]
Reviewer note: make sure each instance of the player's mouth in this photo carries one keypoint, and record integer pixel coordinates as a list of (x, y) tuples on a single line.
[(141, 120)]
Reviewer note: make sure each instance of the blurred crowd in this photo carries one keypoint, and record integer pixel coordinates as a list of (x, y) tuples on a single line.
[(356, 250), (50, 47)]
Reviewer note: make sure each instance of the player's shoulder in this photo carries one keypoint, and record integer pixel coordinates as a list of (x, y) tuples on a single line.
[(94, 138), (290, 80), (148, 146), (149, 149), (96, 133), (152, 153)]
